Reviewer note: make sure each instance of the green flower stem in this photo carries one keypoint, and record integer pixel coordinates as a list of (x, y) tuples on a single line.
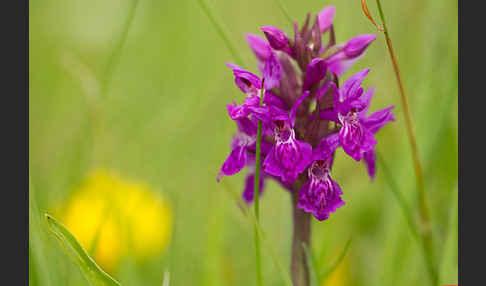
[(257, 192)]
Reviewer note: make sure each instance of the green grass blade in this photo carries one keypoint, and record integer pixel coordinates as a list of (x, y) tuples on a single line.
[(92, 272), (338, 261), (267, 246), (115, 55), (37, 236), (408, 215), (284, 11), (448, 267), (398, 196), (221, 31)]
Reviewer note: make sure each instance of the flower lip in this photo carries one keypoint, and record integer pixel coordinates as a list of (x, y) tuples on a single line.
[(319, 169), (283, 135)]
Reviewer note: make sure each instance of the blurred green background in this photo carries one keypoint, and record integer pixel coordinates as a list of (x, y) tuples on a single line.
[(162, 121)]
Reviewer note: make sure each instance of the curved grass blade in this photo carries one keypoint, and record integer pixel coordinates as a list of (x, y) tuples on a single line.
[(221, 31), (408, 215), (115, 55), (284, 11), (91, 271), (338, 261)]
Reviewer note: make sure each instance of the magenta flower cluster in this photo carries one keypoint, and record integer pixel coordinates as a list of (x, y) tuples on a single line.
[(306, 114)]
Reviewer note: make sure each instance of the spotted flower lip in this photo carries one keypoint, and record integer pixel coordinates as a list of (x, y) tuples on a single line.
[(289, 156), (320, 195)]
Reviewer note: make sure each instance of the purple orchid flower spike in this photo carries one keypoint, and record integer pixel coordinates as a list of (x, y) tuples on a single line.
[(321, 195), (299, 79), (288, 157)]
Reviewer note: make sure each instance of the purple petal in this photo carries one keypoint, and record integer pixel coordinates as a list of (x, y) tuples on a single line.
[(288, 160), (315, 71), (249, 191), (329, 114), (246, 126), (340, 66), (248, 82), (365, 100), (271, 99), (356, 140), (320, 198), (351, 88), (370, 162), (272, 72), (378, 119), (325, 17), (234, 163), (233, 66), (260, 46), (326, 147), (357, 45), (241, 111), (277, 39), (293, 112)]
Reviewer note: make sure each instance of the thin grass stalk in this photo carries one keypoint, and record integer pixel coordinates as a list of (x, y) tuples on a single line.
[(409, 216), (284, 11), (115, 55), (426, 229), (267, 245), (257, 193), (335, 265), (221, 31)]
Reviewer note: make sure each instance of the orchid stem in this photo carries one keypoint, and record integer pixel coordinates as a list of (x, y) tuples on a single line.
[(423, 209), (299, 267), (257, 192)]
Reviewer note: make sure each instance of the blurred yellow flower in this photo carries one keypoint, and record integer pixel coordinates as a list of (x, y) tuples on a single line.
[(340, 275), (113, 217)]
